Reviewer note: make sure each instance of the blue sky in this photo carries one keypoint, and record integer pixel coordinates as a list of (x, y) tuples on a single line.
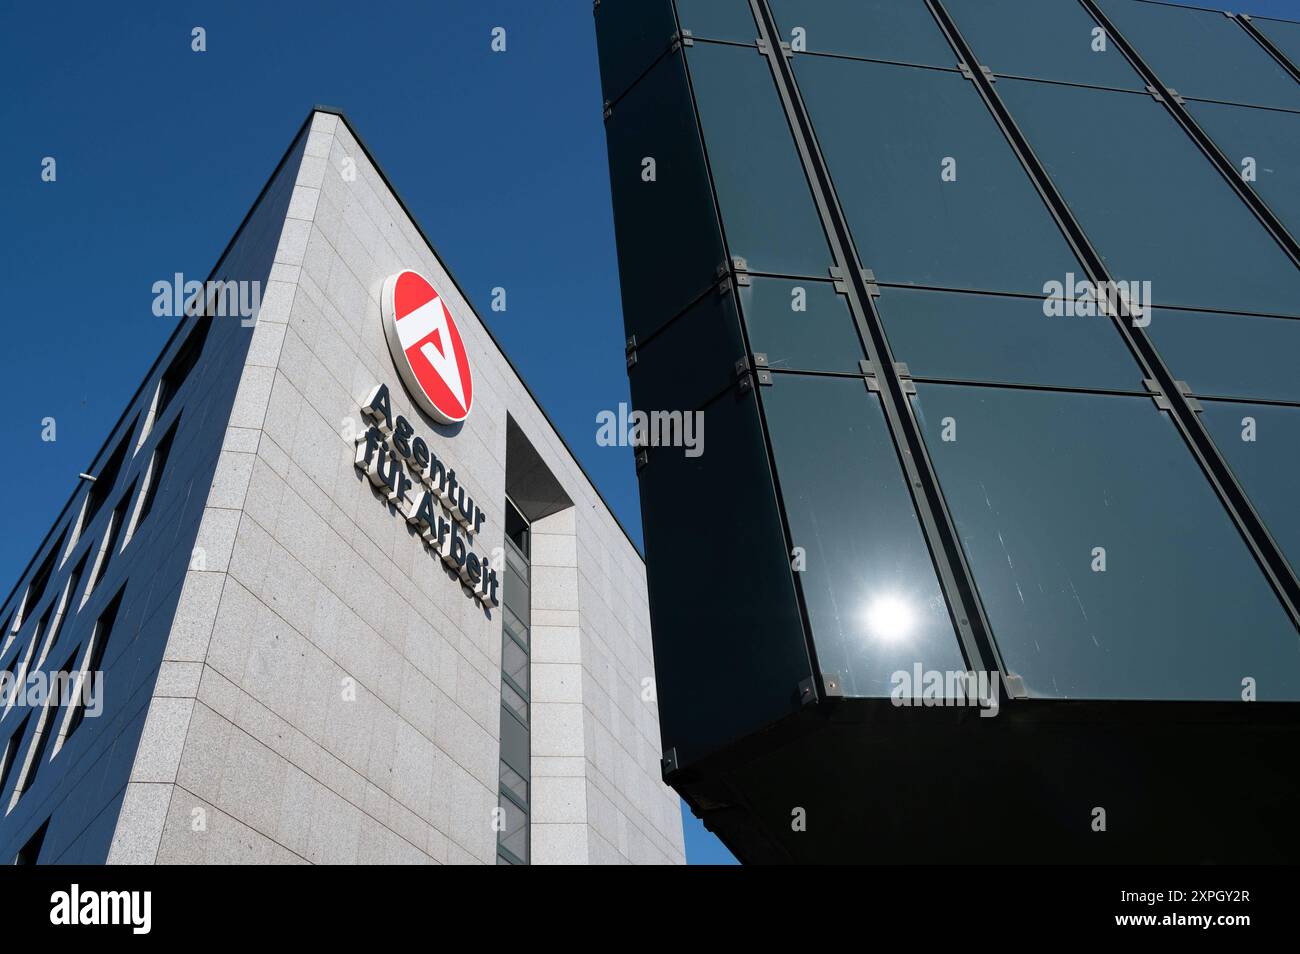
[(160, 151)]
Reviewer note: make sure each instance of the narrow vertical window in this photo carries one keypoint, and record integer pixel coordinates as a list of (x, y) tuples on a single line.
[(109, 546), (36, 588), (512, 834), (156, 469), (105, 480), (181, 366), (11, 752), (47, 726), (65, 607), (91, 683), (30, 852)]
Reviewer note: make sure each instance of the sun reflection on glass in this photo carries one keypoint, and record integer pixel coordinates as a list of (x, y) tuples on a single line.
[(890, 618)]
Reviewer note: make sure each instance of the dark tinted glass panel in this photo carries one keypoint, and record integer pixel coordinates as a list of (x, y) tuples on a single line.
[(718, 19), (514, 589), (1202, 53), (1037, 482), (41, 578), (12, 747), (515, 836), (514, 662), (1263, 144), (1005, 340), (30, 853), (804, 326), (518, 562), (68, 602), (47, 728), (120, 515), (515, 586), (668, 241), (877, 29), (182, 364), (1284, 34), (514, 744), (156, 472), (95, 662), (106, 478), (43, 633), (1047, 39), (1140, 203), (517, 627), (630, 35), (514, 782), (40, 744), (72, 593), (716, 563), (16, 662), (690, 361), (514, 702), (517, 529), (873, 598), (1262, 445), (987, 230), (1230, 355), (767, 208)]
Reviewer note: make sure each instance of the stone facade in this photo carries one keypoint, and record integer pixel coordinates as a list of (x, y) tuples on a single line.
[(312, 685)]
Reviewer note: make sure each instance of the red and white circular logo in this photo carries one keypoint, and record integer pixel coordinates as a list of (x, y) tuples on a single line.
[(426, 347)]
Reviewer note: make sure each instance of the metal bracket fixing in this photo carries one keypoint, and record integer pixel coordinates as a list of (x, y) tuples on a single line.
[(905, 377), (668, 764), (748, 374), (869, 372), (837, 274), (869, 277), (1185, 390), (1153, 388), (807, 691), (737, 267)]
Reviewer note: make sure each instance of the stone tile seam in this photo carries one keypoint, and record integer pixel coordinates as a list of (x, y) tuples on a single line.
[(157, 842), (614, 848), (233, 681), (364, 778), (253, 828), (385, 572), (322, 784), (636, 813), (342, 599)]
